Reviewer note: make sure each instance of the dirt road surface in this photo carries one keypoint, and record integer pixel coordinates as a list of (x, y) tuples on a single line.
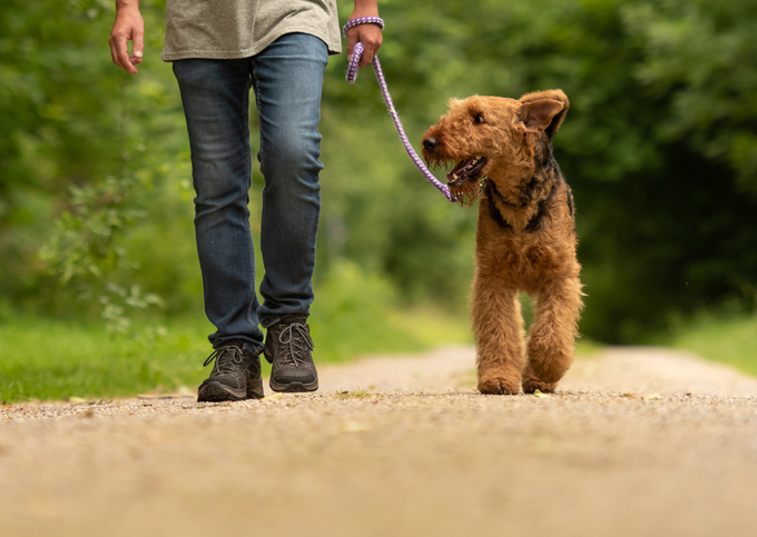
[(639, 442)]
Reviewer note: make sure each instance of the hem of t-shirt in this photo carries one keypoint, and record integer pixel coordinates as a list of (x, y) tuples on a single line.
[(169, 56)]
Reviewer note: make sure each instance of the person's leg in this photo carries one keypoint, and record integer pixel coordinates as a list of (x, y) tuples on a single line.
[(288, 79), (215, 94)]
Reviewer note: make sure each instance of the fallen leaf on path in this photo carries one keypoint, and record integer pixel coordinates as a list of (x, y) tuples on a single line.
[(272, 398), (354, 427), (539, 393), (185, 390), (543, 445)]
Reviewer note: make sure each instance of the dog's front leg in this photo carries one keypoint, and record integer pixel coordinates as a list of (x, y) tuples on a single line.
[(553, 334), (499, 334)]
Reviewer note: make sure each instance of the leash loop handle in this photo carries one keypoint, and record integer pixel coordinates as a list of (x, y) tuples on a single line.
[(352, 69)]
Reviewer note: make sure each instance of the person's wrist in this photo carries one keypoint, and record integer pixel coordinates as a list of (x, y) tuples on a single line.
[(359, 12), (127, 6), (128, 12)]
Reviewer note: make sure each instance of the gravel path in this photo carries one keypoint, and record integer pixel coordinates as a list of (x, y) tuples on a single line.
[(639, 441)]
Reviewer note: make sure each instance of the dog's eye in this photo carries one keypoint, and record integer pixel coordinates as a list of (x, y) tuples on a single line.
[(478, 119)]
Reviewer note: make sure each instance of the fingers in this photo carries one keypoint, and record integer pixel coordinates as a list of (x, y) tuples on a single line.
[(138, 45), (351, 42), (113, 53), (370, 36), (127, 27), (119, 53)]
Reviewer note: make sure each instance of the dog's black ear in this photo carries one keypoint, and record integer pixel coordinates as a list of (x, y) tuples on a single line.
[(544, 110)]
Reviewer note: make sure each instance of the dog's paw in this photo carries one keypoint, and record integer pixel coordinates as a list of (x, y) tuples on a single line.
[(531, 384), (498, 386)]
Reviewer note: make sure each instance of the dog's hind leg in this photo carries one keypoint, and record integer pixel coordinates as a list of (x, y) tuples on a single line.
[(553, 334), (498, 328)]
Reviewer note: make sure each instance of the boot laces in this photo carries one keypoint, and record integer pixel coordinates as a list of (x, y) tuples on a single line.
[(228, 359), (296, 342)]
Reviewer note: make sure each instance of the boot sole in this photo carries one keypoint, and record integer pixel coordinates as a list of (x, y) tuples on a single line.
[(213, 392), (294, 387)]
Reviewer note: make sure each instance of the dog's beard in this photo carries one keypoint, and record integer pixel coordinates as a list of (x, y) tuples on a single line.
[(465, 180), (466, 192)]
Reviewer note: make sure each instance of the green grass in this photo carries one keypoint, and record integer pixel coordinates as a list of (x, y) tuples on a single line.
[(728, 340), (53, 359), (393, 331), (587, 349), (48, 359)]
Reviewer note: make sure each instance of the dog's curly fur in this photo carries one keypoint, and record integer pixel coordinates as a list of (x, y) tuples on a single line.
[(525, 239)]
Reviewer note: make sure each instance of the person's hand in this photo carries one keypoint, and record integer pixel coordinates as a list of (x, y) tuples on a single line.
[(128, 26), (368, 34)]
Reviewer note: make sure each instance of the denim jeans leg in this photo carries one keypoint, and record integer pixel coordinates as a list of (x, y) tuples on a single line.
[(288, 80), (215, 95)]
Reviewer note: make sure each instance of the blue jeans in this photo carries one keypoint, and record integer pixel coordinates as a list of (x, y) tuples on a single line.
[(287, 79)]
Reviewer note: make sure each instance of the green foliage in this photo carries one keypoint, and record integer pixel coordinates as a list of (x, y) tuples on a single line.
[(46, 359), (46, 145), (83, 250), (380, 213), (356, 313), (659, 148), (729, 338), (702, 55), (77, 156)]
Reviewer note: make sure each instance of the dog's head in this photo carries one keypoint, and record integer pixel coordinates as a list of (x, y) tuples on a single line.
[(493, 137)]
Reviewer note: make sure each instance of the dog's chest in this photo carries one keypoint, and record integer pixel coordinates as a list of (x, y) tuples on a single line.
[(525, 259)]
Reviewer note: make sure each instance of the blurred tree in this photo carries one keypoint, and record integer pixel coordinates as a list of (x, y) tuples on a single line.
[(49, 86), (703, 55), (74, 150)]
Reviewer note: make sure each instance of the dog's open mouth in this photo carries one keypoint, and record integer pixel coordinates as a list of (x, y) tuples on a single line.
[(464, 180), (467, 170)]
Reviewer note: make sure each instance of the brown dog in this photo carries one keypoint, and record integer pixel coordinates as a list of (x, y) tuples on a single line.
[(525, 239)]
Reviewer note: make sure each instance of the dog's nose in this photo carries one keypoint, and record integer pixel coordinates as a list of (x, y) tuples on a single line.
[(430, 144)]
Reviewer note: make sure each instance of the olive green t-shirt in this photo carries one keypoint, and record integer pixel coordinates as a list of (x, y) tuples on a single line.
[(227, 29)]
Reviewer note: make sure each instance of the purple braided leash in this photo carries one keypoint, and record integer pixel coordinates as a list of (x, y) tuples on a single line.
[(352, 69)]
